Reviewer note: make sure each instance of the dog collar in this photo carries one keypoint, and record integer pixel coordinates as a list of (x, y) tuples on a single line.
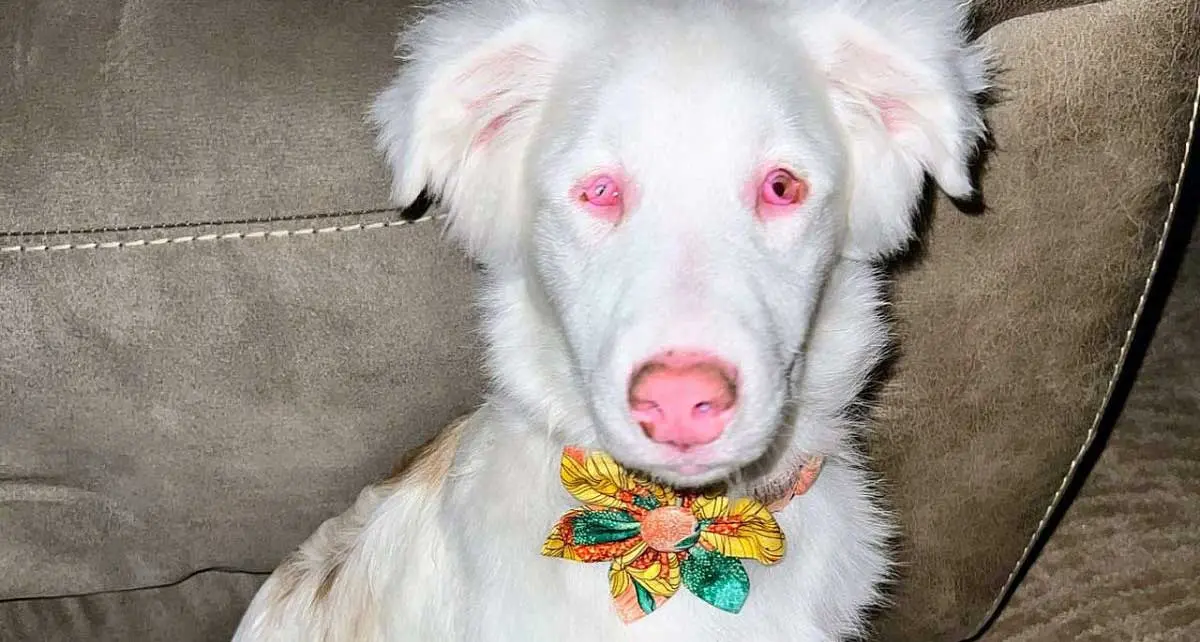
[(657, 538)]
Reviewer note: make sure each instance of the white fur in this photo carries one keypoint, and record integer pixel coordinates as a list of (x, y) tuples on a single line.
[(690, 99)]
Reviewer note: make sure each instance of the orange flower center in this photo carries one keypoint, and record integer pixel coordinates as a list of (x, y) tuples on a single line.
[(664, 528)]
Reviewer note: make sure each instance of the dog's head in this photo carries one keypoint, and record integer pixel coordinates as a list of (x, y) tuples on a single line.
[(676, 180)]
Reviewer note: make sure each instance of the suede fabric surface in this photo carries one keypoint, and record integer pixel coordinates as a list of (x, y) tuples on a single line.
[(173, 408), (1009, 324), (119, 113), (989, 13), (1125, 563), (213, 331), (203, 608), (210, 400)]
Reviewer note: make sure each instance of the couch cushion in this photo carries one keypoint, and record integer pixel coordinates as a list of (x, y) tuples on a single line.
[(1010, 324), (173, 407), (117, 113), (202, 608), (989, 13), (213, 329), (1125, 563)]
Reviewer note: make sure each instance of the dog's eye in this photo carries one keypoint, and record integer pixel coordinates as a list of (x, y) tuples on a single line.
[(781, 192), (601, 195), (601, 191)]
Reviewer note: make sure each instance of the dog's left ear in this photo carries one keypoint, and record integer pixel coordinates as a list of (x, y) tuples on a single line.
[(905, 85)]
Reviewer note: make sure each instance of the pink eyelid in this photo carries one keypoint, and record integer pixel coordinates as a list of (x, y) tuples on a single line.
[(782, 188)]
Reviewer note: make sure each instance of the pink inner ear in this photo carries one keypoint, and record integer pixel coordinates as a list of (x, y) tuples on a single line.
[(892, 111), (497, 124), (491, 83), (502, 64)]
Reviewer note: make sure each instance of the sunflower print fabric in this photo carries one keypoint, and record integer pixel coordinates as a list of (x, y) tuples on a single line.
[(657, 539)]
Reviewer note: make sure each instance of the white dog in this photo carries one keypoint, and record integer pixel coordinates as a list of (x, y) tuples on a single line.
[(680, 207)]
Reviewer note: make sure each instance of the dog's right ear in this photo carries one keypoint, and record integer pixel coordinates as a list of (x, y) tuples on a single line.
[(458, 119)]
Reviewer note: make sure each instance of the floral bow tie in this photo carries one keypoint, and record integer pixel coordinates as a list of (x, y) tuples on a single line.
[(657, 538)]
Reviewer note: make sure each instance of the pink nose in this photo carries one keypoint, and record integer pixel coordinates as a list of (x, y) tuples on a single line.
[(683, 398)]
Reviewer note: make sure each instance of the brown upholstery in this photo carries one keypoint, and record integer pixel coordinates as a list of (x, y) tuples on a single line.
[(203, 608), (174, 407), (214, 330), (1125, 564), (989, 13), (1010, 324)]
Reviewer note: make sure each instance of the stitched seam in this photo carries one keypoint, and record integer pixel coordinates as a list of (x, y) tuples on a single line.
[(104, 229), (1112, 381), (203, 238)]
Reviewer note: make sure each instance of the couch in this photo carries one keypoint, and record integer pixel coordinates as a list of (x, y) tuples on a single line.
[(214, 329)]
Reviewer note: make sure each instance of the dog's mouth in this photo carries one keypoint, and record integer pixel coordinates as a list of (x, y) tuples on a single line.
[(683, 470)]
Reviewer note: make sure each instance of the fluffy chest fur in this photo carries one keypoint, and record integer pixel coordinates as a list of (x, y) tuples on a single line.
[(833, 566), (453, 554)]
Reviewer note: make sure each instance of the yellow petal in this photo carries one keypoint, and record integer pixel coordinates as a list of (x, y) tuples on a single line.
[(630, 555), (747, 530), (710, 506), (664, 495), (618, 581), (661, 577), (601, 466), (596, 480), (556, 545)]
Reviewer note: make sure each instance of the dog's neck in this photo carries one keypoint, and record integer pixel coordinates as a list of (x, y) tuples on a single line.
[(531, 371)]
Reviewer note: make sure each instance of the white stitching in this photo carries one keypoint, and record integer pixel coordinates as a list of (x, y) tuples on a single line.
[(1112, 381), (229, 236)]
